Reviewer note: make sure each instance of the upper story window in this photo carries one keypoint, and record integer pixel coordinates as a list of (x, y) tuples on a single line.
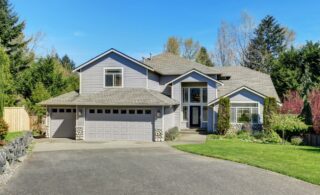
[(113, 77)]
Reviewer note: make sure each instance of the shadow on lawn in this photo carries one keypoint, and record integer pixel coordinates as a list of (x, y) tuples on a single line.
[(314, 150)]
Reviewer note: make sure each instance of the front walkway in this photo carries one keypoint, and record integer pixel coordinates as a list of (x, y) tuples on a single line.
[(190, 136)]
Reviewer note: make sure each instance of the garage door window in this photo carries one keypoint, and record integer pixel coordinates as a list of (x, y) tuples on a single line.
[(139, 111), (91, 111), (147, 111), (61, 110), (107, 111), (132, 111), (115, 111), (99, 111), (54, 110), (68, 110), (123, 111)]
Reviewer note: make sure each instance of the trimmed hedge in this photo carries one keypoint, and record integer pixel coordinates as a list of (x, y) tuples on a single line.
[(270, 108), (223, 116)]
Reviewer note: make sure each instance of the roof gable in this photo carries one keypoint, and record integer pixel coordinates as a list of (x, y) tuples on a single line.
[(197, 72), (108, 52), (236, 91)]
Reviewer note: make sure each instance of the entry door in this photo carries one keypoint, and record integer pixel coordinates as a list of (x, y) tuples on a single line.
[(195, 116)]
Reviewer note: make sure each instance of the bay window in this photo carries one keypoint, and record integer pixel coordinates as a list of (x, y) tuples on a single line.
[(113, 77), (244, 113)]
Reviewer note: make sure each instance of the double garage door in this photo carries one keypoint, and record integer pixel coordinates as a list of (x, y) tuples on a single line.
[(119, 124)]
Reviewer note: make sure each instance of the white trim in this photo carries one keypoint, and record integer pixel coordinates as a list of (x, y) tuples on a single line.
[(246, 102), (104, 77), (196, 71), (80, 83), (147, 78), (235, 91), (116, 52)]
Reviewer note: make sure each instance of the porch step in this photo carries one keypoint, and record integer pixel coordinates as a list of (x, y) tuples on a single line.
[(193, 131)]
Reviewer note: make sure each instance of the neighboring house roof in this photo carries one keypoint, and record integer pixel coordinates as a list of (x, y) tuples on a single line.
[(245, 77), (114, 97), (198, 72), (170, 64), (108, 52)]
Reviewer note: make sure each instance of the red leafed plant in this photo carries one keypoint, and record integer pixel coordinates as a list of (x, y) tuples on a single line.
[(292, 104), (314, 101)]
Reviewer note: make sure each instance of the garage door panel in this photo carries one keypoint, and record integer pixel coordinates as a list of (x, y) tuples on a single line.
[(62, 124), (102, 126)]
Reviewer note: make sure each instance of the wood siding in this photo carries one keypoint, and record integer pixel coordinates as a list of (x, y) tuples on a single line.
[(17, 118)]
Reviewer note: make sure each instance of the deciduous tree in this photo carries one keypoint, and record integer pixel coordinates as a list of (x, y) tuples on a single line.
[(173, 46)]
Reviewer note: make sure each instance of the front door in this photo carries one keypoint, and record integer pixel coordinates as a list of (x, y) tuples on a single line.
[(194, 116)]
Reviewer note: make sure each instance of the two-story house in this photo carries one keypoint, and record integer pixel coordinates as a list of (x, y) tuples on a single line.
[(121, 98)]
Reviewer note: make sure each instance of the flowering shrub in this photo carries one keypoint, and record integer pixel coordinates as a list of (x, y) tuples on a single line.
[(292, 103), (314, 101)]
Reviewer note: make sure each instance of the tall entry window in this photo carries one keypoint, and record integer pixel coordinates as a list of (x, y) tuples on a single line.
[(244, 113), (113, 77), (195, 95)]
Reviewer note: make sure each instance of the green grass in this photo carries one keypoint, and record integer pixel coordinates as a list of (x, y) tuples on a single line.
[(13, 135), (302, 162)]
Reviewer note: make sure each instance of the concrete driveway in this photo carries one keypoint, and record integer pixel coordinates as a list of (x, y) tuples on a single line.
[(140, 168)]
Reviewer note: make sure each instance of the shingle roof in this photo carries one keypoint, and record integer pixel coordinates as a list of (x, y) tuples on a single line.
[(170, 64), (114, 97), (242, 76)]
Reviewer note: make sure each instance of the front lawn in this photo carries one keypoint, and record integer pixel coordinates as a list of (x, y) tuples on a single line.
[(302, 162), (13, 135)]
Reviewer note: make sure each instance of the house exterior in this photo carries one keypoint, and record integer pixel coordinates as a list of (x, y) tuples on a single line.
[(121, 98)]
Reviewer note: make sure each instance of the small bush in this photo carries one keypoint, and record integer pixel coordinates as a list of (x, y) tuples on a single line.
[(231, 133), (172, 134), (258, 134), (271, 137), (244, 135), (296, 140), (3, 129)]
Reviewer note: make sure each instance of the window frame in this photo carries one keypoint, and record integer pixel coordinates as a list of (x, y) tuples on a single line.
[(202, 113), (251, 108), (113, 68)]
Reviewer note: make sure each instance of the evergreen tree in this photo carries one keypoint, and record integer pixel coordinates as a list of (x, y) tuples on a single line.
[(39, 93), (270, 108), (12, 38), (67, 62), (203, 57), (268, 42), (223, 116), (173, 46), (6, 82)]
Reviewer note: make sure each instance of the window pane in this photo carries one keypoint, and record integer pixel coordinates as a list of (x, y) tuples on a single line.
[(91, 111), (61, 110), (185, 113), (132, 111), (185, 95), (204, 95), (195, 95), (107, 111), (139, 111), (123, 111), (205, 113), (255, 115), (233, 115), (243, 115), (99, 111), (115, 111), (109, 80), (117, 80), (147, 111)]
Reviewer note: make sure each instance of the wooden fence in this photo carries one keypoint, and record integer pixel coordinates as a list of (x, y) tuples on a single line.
[(312, 139), (17, 118)]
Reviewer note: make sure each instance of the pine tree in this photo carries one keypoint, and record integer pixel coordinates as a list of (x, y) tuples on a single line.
[(203, 57), (268, 42), (223, 116), (67, 62), (173, 46), (12, 37)]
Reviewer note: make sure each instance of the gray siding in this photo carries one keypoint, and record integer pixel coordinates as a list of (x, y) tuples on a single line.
[(153, 81), (169, 118), (92, 76)]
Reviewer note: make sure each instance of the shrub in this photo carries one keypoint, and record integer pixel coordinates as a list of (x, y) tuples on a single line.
[(213, 136), (314, 101), (258, 134), (271, 137), (231, 132), (3, 129), (270, 108), (292, 104), (223, 115), (245, 135), (172, 134), (296, 140), (287, 122)]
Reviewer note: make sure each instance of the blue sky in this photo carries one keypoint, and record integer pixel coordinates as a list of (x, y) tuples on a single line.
[(83, 29)]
